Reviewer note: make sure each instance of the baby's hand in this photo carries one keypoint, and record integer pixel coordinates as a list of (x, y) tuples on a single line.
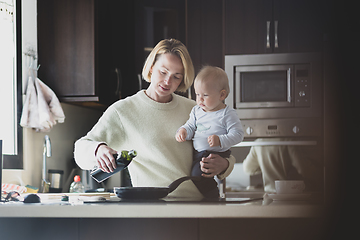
[(214, 141), (181, 135)]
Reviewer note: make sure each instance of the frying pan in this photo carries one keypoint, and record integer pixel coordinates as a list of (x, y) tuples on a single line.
[(150, 192)]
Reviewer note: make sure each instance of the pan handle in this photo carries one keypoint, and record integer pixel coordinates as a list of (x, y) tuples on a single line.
[(177, 182)]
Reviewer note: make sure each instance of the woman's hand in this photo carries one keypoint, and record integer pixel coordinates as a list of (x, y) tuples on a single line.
[(213, 165), (105, 159)]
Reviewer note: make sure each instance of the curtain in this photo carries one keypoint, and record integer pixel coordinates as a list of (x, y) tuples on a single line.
[(8, 107)]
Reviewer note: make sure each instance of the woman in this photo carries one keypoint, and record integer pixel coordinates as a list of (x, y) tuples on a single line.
[(147, 122)]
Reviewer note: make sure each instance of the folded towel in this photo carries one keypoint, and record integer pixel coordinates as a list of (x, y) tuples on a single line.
[(41, 108), (8, 187)]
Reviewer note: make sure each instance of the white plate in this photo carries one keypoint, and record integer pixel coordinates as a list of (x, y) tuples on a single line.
[(289, 197)]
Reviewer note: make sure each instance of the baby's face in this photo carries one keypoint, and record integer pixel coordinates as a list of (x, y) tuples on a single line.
[(208, 96)]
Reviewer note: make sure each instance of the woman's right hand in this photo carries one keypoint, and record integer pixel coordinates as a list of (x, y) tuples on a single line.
[(105, 159)]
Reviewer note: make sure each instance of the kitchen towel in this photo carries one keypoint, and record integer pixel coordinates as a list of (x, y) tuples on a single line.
[(42, 109)]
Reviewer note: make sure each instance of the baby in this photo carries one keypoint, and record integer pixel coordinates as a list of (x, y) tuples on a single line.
[(213, 126)]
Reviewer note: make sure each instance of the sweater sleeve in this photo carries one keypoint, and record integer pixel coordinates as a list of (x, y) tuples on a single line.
[(227, 172), (251, 164), (86, 146)]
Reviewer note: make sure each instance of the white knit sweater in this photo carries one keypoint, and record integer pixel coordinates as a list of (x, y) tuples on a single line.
[(149, 127)]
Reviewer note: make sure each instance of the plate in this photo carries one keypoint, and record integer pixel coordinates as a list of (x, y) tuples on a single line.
[(290, 197)]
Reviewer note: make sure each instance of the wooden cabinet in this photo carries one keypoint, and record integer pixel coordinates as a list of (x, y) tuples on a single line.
[(155, 20), (204, 32), (93, 51), (84, 51), (278, 26)]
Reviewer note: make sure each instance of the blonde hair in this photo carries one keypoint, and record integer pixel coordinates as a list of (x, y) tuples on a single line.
[(177, 48), (216, 75)]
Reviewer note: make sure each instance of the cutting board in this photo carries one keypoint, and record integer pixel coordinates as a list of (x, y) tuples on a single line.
[(58, 196)]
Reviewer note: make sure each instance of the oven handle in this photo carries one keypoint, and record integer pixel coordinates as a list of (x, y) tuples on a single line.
[(276, 143), (289, 85)]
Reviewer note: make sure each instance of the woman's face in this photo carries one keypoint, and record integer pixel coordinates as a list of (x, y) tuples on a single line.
[(166, 75)]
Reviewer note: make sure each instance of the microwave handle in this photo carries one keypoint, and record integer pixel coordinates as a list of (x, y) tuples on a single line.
[(267, 34), (289, 84)]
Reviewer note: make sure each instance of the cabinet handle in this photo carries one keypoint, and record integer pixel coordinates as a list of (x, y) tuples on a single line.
[(140, 81), (289, 85), (276, 34), (267, 34), (119, 83)]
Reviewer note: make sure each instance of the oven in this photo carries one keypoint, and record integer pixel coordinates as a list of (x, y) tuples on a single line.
[(276, 95)]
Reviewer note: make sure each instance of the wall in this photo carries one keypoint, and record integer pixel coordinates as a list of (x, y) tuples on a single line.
[(77, 123)]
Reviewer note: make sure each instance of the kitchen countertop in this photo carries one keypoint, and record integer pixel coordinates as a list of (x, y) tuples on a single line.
[(258, 208)]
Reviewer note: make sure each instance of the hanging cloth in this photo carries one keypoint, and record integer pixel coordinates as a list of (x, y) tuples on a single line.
[(42, 109)]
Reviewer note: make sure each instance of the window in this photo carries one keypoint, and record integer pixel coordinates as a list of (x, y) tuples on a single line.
[(10, 77)]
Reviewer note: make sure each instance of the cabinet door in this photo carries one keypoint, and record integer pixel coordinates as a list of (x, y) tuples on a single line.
[(299, 26), (205, 28), (246, 25), (156, 20), (67, 46)]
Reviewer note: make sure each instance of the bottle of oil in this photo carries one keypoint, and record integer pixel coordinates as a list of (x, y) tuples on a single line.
[(122, 161)]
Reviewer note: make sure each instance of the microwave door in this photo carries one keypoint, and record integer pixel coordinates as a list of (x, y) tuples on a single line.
[(268, 86)]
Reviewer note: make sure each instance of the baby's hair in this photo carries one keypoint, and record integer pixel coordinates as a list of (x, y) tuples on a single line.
[(216, 75)]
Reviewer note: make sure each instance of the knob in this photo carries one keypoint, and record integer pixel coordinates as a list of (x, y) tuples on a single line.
[(249, 130), (302, 93), (296, 129)]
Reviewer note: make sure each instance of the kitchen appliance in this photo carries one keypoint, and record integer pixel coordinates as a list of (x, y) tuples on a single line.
[(277, 95), (55, 177), (150, 192)]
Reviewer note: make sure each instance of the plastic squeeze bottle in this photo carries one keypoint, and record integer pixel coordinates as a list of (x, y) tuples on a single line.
[(77, 186)]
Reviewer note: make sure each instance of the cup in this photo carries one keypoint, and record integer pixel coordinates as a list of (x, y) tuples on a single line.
[(289, 186)]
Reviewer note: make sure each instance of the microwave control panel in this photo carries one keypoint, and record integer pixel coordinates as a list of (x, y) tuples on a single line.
[(302, 87)]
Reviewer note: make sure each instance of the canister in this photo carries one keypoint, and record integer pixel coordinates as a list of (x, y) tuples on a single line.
[(55, 178)]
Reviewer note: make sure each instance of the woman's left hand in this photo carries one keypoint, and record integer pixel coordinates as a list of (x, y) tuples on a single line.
[(213, 165)]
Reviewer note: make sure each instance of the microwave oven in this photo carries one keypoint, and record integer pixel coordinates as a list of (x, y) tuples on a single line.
[(284, 90)]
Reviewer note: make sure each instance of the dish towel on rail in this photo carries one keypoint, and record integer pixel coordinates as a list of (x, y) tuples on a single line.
[(42, 109)]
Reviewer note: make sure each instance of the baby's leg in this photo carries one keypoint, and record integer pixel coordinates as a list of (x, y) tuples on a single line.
[(196, 169)]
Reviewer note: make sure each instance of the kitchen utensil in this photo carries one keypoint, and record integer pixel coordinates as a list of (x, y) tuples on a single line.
[(150, 192)]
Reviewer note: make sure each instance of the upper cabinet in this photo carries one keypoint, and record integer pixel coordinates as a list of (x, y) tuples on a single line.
[(155, 20), (204, 32), (278, 26), (92, 51), (83, 49)]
